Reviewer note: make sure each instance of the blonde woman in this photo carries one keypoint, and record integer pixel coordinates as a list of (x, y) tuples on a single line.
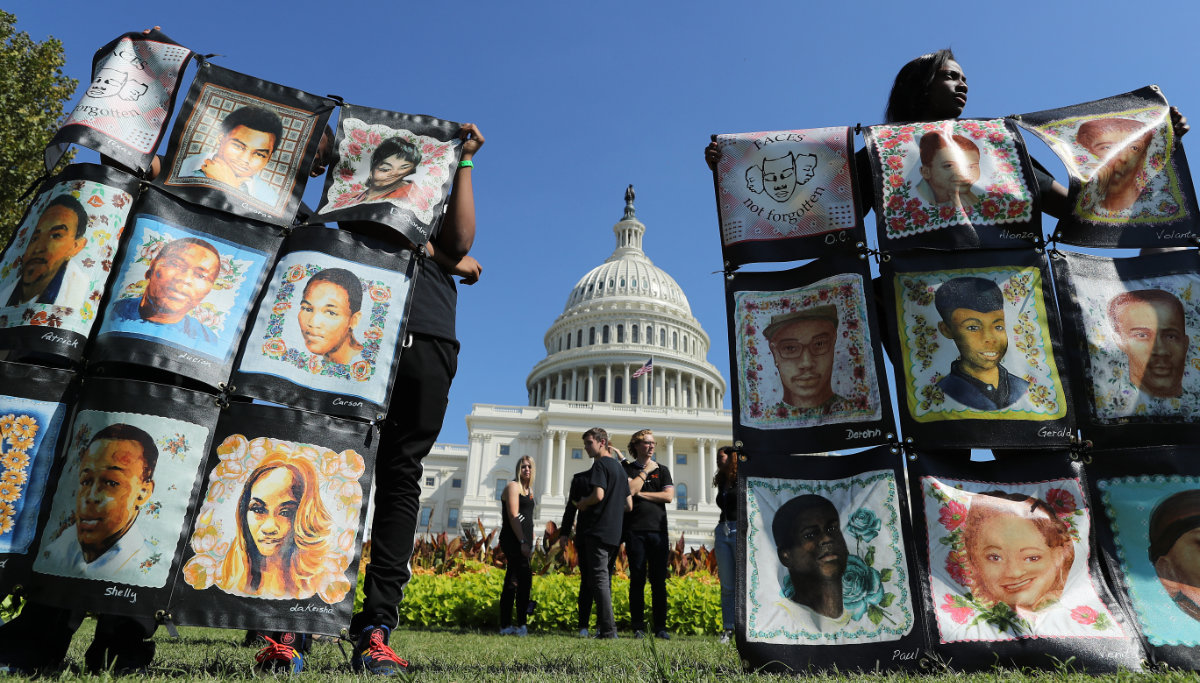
[(646, 543), (516, 540)]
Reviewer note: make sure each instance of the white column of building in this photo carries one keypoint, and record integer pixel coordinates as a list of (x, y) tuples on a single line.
[(707, 456), (680, 398), (670, 463), (608, 388), (574, 384), (546, 465), (474, 465), (560, 467), (693, 401), (591, 385), (625, 386), (545, 390)]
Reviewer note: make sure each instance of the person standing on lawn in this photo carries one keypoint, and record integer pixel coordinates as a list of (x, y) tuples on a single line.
[(516, 540), (601, 514), (646, 534)]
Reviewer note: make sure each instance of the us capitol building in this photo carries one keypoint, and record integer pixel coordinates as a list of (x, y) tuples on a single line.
[(620, 314)]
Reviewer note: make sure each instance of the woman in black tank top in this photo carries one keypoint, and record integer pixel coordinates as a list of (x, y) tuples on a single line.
[(516, 541)]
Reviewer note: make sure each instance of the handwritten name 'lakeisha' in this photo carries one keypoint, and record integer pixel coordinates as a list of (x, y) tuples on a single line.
[(346, 402), (194, 359), (864, 434), (118, 592), (311, 608), (1047, 431), (59, 339)]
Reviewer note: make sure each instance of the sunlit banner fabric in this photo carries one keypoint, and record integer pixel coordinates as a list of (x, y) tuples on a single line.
[(124, 110), (243, 145), (395, 169), (58, 264), (327, 332), (119, 514), (1130, 183), (1150, 499), (961, 183), (805, 346), (1011, 577), (856, 606), (980, 351), (277, 537), (32, 410), (186, 282), (1135, 338), (786, 195)]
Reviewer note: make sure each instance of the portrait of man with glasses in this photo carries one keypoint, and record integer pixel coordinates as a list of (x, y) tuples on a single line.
[(802, 344)]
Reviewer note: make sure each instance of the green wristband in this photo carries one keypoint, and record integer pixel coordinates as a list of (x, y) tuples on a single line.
[(466, 163)]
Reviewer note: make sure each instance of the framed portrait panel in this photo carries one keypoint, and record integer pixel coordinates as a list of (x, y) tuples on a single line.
[(184, 288), (953, 184), (123, 499), (277, 538), (392, 168), (33, 407), (805, 346), (827, 572), (979, 345), (1008, 558), (124, 110), (1136, 326), (243, 145), (787, 194), (57, 266), (1149, 528), (327, 332), (1130, 182)]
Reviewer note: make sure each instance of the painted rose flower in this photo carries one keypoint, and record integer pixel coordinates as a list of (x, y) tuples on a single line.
[(956, 566), (864, 525), (200, 572), (953, 515), (361, 370), (862, 587), (295, 273), (1084, 615), (353, 464), (959, 612), (333, 591), (281, 307), (274, 348), (379, 293), (1061, 500)]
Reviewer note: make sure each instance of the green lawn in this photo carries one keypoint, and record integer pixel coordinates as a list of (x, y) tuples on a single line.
[(452, 655)]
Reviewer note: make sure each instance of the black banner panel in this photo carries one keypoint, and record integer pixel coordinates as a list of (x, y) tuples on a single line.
[(1011, 577), (979, 342), (56, 268), (123, 501), (244, 145), (953, 184), (33, 406), (124, 110), (1135, 331), (787, 194), (184, 288), (826, 572), (277, 538), (1130, 182), (395, 169), (327, 333), (1150, 533), (806, 347)]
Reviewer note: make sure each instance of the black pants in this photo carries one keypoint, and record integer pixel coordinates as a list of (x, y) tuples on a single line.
[(40, 636), (518, 579), (414, 419), (647, 553), (585, 589)]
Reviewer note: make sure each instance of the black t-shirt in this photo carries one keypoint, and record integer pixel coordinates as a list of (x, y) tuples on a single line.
[(727, 502), (604, 520), (435, 299), (648, 515), (580, 489)]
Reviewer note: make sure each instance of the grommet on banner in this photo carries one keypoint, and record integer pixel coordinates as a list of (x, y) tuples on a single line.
[(909, 449), (166, 619), (221, 400), (857, 128), (1081, 450)]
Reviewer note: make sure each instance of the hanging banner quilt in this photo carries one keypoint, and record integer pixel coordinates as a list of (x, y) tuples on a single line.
[(57, 266), (243, 145), (395, 169), (805, 345), (1130, 183), (953, 184), (124, 111), (327, 332), (786, 195), (185, 284)]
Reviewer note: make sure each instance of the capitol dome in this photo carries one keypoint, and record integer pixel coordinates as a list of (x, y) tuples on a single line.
[(621, 314)]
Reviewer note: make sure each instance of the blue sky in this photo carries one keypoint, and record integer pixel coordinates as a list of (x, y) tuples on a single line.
[(578, 100)]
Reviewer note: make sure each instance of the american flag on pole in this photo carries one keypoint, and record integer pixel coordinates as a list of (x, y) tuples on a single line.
[(648, 367)]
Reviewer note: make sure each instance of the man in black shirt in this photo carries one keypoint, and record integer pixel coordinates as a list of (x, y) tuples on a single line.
[(646, 542), (602, 513)]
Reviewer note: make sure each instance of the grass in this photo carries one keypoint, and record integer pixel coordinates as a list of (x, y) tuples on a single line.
[(452, 655)]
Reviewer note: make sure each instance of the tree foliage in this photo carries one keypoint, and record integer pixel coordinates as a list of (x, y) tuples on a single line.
[(33, 91)]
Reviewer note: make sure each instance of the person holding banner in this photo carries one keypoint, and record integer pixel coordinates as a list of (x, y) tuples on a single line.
[(424, 373)]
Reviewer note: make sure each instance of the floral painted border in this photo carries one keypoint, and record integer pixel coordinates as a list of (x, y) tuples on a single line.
[(361, 370), (340, 490), (920, 342), (878, 595), (854, 360), (1007, 198), (18, 434)]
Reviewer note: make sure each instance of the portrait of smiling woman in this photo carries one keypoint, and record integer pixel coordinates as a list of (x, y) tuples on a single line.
[(282, 534)]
